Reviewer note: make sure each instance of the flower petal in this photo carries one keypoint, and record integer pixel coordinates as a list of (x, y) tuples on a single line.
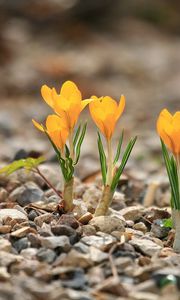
[(38, 125), (176, 121), (109, 126), (166, 115), (54, 122), (121, 106), (59, 137), (69, 90), (85, 102), (104, 112), (164, 129), (46, 93), (94, 115)]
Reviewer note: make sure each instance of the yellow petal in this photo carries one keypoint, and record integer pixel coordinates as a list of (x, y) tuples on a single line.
[(176, 121), (68, 108), (46, 93), (69, 89), (175, 140), (95, 118), (121, 106), (164, 129), (73, 115), (103, 106), (54, 122), (38, 126), (108, 105), (59, 137), (109, 126), (166, 115), (62, 104), (55, 137), (95, 98), (85, 102), (104, 111)]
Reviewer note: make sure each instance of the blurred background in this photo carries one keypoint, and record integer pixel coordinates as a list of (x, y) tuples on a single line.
[(108, 47)]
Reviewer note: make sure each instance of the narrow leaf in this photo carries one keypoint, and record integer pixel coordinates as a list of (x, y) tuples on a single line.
[(63, 167), (123, 163), (76, 136), (67, 152), (79, 143), (173, 177), (102, 157), (69, 168), (118, 152)]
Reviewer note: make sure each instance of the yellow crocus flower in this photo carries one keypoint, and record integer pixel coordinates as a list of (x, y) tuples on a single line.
[(67, 104), (55, 129), (105, 112), (168, 127)]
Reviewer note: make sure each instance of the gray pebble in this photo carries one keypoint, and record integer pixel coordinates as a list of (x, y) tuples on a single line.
[(53, 242), (21, 244), (27, 193), (46, 255)]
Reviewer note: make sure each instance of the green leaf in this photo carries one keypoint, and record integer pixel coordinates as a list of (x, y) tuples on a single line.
[(79, 143), (76, 136), (102, 157), (172, 172), (123, 163), (167, 223), (67, 152), (118, 152), (69, 168), (66, 169), (62, 163), (28, 163), (11, 168)]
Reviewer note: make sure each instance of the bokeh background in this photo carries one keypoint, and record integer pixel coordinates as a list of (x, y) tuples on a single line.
[(108, 47)]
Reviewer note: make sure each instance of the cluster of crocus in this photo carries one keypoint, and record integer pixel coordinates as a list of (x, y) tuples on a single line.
[(168, 127), (60, 127), (66, 140)]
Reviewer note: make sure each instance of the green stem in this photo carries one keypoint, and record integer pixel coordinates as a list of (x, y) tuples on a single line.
[(68, 195), (105, 202), (110, 164)]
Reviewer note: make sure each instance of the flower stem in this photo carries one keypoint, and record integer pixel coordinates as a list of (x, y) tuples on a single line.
[(109, 164), (176, 245), (105, 202), (68, 195)]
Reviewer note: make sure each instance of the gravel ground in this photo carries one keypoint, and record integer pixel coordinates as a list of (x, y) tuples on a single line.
[(124, 255)]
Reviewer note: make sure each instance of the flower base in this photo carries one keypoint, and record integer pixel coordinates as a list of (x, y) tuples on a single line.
[(68, 195), (105, 202)]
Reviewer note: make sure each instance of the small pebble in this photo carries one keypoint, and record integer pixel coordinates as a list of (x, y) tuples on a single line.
[(140, 226), (46, 255), (21, 244)]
